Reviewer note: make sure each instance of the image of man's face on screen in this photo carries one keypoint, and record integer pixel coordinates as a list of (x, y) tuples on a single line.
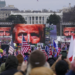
[(32, 33), (5, 31), (68, 31)]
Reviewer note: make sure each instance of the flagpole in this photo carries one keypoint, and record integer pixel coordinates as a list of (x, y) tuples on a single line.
[(52, 46), (21, 44)]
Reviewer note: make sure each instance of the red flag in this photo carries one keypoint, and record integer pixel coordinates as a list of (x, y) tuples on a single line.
[(71, 49)]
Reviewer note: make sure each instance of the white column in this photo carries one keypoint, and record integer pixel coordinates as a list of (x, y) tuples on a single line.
[(27, 19), (44, 19), (34, 20), (31, 19)]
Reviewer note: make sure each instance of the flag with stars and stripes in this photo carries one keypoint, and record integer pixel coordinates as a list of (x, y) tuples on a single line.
[(4, 51), (11, 48), (25, 46)]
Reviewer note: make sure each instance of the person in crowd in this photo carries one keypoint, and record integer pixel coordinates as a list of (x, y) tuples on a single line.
[(33, 33), (37, 65), (20, 60), (60, 58), (41, 71), (51, 61), (37, 59), (27, 55), (10, 66), (72, 70), (23, 69), (2, 67), (1, 54), (5, 31), (61, 67)]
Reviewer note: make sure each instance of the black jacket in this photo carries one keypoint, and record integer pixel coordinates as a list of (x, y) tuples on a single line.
[(9, 72)]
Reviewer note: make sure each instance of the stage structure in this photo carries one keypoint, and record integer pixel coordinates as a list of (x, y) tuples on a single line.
[(5, 34)]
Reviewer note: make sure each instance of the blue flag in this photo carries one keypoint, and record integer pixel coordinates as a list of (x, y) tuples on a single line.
[(47, 50), (55, 49)]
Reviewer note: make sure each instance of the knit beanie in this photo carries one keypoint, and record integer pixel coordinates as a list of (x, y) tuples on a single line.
[(41, 71), (37, 58), (11, 62), (20, 58)]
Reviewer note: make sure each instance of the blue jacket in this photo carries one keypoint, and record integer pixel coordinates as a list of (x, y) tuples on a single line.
[(70, 72)]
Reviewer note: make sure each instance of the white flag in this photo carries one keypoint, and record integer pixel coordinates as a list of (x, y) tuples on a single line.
[(71, 48)]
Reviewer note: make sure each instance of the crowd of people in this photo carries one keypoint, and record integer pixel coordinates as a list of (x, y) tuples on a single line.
[(36, 65)]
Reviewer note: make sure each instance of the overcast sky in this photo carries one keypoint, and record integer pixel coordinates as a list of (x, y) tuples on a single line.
[(40, 4)]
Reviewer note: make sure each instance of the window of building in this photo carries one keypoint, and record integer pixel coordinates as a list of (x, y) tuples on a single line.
[(43, 18), (30, 18), (36, 18), (25, 18)]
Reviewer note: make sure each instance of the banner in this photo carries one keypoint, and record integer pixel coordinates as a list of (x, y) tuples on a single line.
[(53, 32)]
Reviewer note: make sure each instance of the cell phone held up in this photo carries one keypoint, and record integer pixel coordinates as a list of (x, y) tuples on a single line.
[(64, 54), (26, 54)]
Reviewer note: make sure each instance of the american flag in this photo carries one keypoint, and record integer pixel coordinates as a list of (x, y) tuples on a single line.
[(50, 52), (11, 48), (25, 47), (14, 53), (59, 49), (19, 51), (4, 51), (43, 50)]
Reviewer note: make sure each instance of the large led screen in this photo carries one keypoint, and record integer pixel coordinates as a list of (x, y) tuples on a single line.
[(5, 31), (68, 30), (33, 33)]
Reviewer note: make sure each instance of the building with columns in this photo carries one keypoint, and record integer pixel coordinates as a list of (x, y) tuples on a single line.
[(36, 17), (6, 11)]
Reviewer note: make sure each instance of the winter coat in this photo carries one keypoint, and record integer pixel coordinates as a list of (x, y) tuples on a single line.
[(2, 67), (9, 72), (70, 72), (30, 67)]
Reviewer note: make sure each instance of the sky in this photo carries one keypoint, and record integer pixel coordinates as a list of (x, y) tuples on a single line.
[(40, 4)]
